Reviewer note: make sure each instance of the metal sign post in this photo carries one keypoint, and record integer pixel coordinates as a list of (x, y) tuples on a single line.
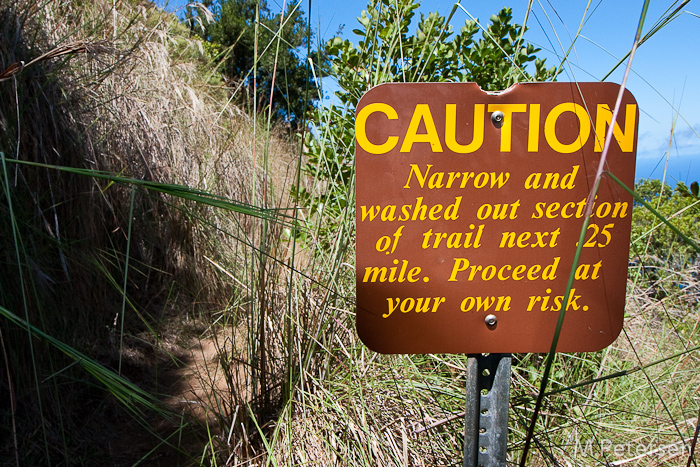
[(486, 416)]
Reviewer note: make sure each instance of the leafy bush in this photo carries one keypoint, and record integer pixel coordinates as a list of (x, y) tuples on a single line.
[(680, 207), (388, 52), (658, 254)]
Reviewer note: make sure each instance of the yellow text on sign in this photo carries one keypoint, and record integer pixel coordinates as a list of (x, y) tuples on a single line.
[(456, 142)]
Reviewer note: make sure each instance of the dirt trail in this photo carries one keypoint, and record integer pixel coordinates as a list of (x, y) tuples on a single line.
[(197, 389)]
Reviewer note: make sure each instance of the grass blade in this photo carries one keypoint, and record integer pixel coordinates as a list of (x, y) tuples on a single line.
[(579, 248)]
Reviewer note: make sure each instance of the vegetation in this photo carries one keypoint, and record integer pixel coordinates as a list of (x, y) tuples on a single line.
[(665, 245), (175, 290), (120, 159), (388, 52), (259, 49)]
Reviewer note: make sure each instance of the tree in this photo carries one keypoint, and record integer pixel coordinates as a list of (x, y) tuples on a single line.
[(280, 40), (650, 190), (387, 52)]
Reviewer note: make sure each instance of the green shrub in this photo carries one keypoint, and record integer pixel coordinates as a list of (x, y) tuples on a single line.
[(388, 52)]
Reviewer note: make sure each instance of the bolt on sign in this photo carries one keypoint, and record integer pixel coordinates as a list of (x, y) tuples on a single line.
[(469, 211)]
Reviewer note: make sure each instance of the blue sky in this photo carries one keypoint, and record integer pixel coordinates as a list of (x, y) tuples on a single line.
[(666, 69)]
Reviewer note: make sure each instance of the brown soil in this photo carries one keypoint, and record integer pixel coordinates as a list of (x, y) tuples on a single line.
[(195, 387)]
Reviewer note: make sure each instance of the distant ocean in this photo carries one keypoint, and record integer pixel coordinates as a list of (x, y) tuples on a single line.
[(685, 168)]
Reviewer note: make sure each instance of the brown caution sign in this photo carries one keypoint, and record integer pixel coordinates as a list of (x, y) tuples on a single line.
[(469, 210)]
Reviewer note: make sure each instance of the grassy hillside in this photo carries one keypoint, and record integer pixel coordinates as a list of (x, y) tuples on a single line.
[(165, 300), (122, 157)]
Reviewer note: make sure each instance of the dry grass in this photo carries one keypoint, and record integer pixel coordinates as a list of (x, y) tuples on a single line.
[(118, 88)]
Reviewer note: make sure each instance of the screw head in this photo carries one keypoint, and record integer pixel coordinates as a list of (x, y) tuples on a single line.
[(497, 119), (491, 320)]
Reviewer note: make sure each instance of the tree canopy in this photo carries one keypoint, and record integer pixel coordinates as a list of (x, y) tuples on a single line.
[(279, 54)]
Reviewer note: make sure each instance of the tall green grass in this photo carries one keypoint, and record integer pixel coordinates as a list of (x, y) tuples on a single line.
[(393, 410), (178, 277)]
